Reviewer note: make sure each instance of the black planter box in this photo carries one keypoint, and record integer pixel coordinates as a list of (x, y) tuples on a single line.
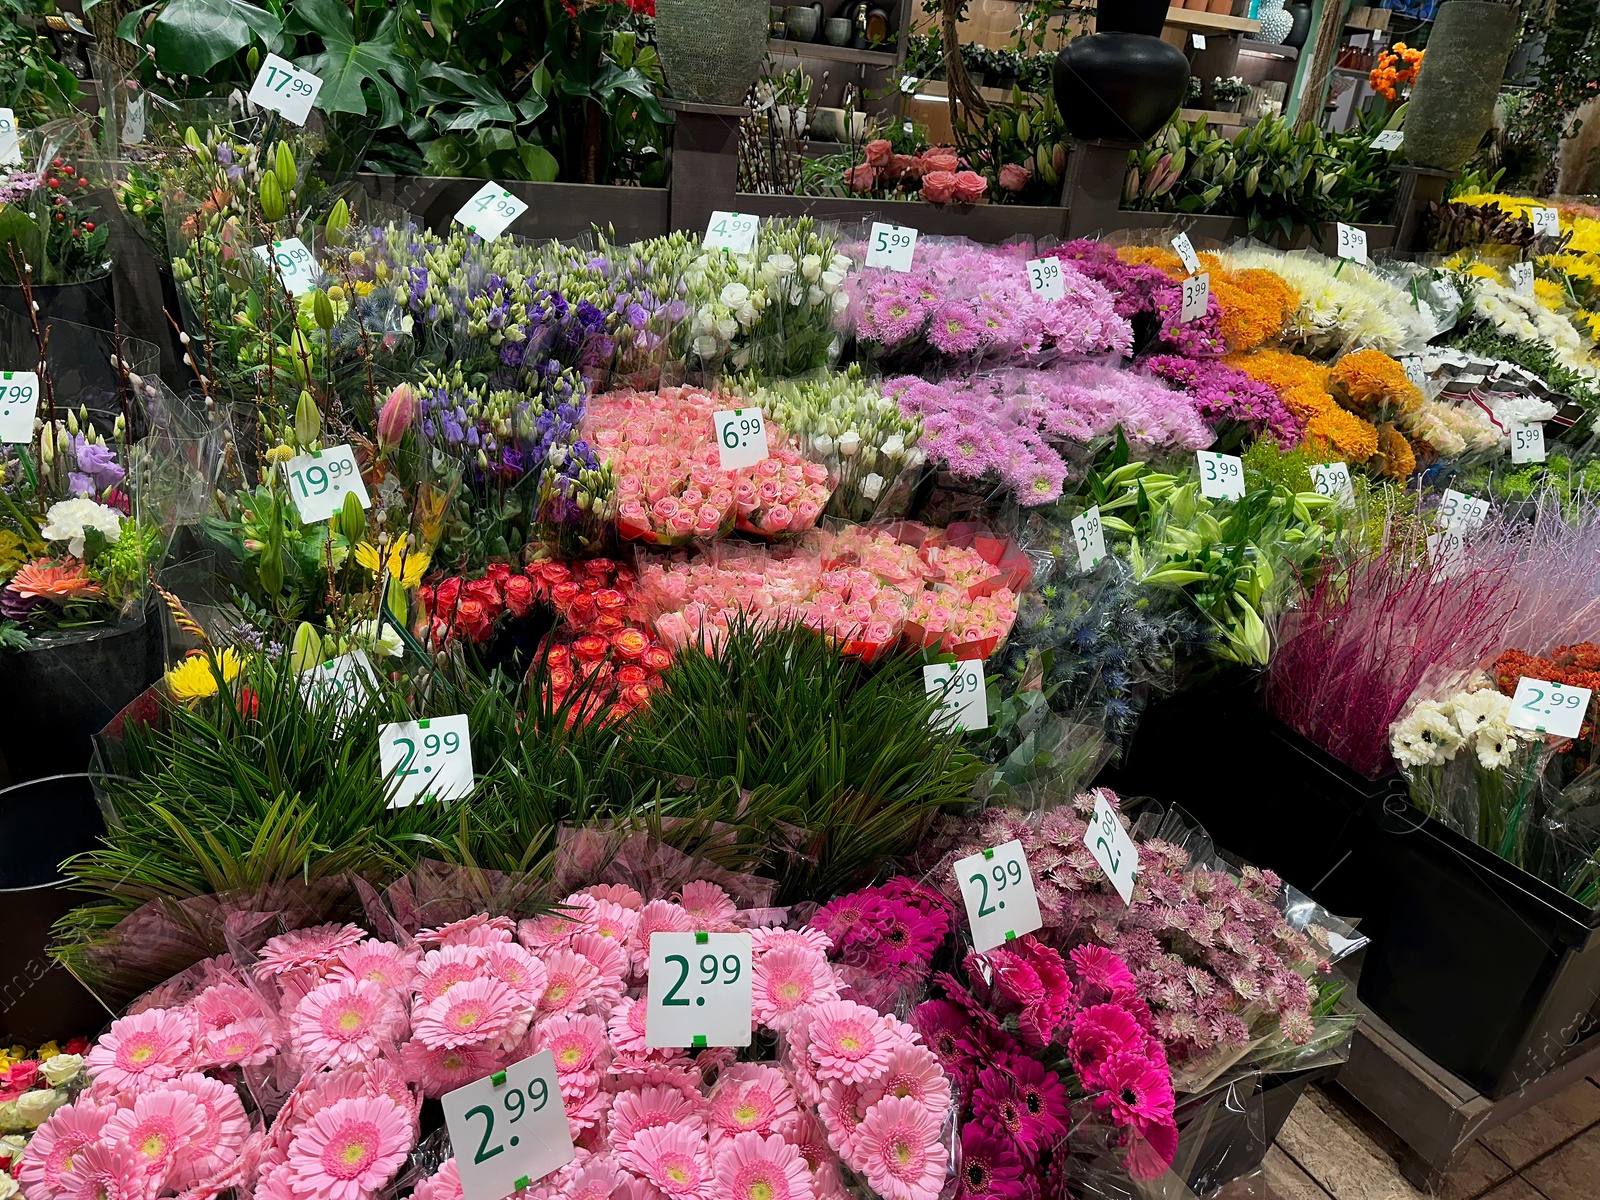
[(1490, 972)]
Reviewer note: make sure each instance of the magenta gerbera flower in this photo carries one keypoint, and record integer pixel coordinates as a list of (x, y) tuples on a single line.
[(350, 1149), (671, 1158), (342, 1023), (1022, 1099), (1100, 1032), (990, 1167), (1151, 1149), (898, 1150), (56, 1142), (752, 1167), (786, 981), (141, 1049), (305, 948), (849, 1042), (1101, 968), (1137, 1090), (471, 1013)]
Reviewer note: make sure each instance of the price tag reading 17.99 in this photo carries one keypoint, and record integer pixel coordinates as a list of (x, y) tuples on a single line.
[(997, 887), (19, 401), (699, 991), (741, 435), (1044, 277), (296, 267), (490, 212), (891, 246), (1221, 475), (1549, 707), (430, 759), (285, 88), (964, 698), (318, 483), (1112, 848), (509, 1130), (1196, 295)]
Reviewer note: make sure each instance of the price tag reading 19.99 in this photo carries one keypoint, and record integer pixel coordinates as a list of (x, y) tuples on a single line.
[(1527, 443), (732, 231), (1044, 277), (1090, 536), (490, 212), (10, 143), (509, 1130), (1112, 848), (699, 991), (998, 889), (285, 88), (741, 435), (430, 759), (1332, 479), (1196, 295), (891, 246), (1221, 475), (339, 682), (318, 483), (1549, 707), (19, 401), (296, 267), (964, 698)]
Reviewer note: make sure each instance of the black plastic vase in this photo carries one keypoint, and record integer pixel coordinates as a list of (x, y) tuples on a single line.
[(1122, 83)]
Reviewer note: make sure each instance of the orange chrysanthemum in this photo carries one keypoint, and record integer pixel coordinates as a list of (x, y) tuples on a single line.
[(1372, 383), (1394, 458), (54, 579), (1255, 303), (1303, 386)]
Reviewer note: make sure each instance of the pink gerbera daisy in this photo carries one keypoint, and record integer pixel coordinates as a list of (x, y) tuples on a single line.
[(842, 917), (225, 1129), (753, 1167), (608, 919), (226, 1004), (651, 1108), (470, 1013), (380, 961), (658, 916), (1099, 1032), (785, 981), (442, 1070), (1151, 1149), (161, 1123), (912, 1071), (610, 958), (570, 981), (848, 1042), (141, 1049), (518, 968), (306, 948), (51, 1151), (342, 1023), (671, 1158), (1101, 968), (444, 1184), (617, 893), (350, 1149), (751, 1098), (707, 903), (1137, 1089), (595, 1179), (246, 1043), (552, 929), (841, 1112), (577, 1043), (767, 939), (108, 1171), (480, 929), (626, 1026), (899, 1151), (445, 967)]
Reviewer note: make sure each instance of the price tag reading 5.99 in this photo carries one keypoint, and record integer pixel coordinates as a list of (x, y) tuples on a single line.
[(1527, 443), (509, 1130), (318, 483), (296, 267), (19, 401), (891, 246), (964, 699), (285, 88), (490, 211), (699, 991), (1549, 707), (998, 890), (741, 435), (430, 759), (1221, 475), (1044, 277)]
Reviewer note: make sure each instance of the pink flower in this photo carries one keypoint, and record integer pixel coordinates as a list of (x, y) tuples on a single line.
[(652, 1108), (940, 158), (305, 948), (342, 1023), (350, 1149), (769, 938), (707, 903), (878, 152), (849, 1042), (571, 980), (626, 1026), (938, 186), (1137, 1090), (776, 519), (141, 1050), (784, 982), (445, 1184), (442, 1070), (517, 969), (162, 1123), (396, 415), (578, 1043), (753, 1167), (596, 1179), (57, 1142), (990, 1168), (114, 1171), (222, 1136), (471, 1013), (659, 916), (246, 1043), (899, 1150), (671, 1158), (970, 186), (1099, 967), (1028, 1102), (751, 1098), (225, 1004), (480, 929), (382, 962), (444, 968), (1151, 1149), (1100, 1033), (609, 957), (1014, 177), (861, 178), (912, 1072)]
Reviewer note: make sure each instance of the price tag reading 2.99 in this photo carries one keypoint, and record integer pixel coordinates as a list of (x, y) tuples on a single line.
[(318, 483), (997, 887), (509, 1130), (1112, 848), (699, 992), (1549, 707), (741, 435), (964, 698), (430, 759)]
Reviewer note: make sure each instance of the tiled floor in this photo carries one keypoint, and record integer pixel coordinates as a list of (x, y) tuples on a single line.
[(1331, 1149)]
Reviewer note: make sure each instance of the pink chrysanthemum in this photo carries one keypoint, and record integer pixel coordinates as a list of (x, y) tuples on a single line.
[(382, 962), (342, 1023), (306, 948), (570, 982), (442, 1070), (753, 1167), (671, 1158), (444, 1184), (899, 1151), (751, 1098), (108, 1171), (161, 1123), (442, 969), (578, 1043), (767, 939), (1151, 1149), (141, 1050), (480, 929), (658, 916), (350, 1149), (785, 981), (222, 1136), (57, 1142), (707, 903), (246, 1043), (849, 1042), (651, 1108), (471, 1013), (912, 1072)]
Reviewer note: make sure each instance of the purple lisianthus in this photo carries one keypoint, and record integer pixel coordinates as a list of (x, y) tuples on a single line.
[(97, 464)]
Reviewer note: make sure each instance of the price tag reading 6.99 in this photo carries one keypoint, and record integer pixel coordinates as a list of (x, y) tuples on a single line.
[(997, 887), (699, 991), (19, 401), (891, 246), (509, 1130), (741, 435), (1549, 707), (430, 759), (318, 483)]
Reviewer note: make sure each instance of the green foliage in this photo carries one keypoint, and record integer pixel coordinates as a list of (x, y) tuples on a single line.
[(360, 61), (34, 83)]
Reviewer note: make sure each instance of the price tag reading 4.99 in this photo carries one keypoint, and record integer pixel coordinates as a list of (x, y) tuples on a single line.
[(296, 267), (490, 211), (965, 700), (1221, 475), (998, 889), (1090, 535), (741, 435), (19, 401), (285, 88), (1112, 848), (891, 246), (1044, 277), (699, 993), (318, 483), (509, 1130), (1196, 295), (1549, 707), (431, 759), (732, 231)]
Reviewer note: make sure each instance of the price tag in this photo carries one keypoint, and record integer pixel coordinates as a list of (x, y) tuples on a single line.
[(998, 889), (1333, 479), (1199, 40), (285, 88), (339, 682), (965, 702), (490, 211), (1521, 278), (10, 140), (1221, 475), (318, 483), (19, 401), (1546, 220), (1527, 443), (732, 231), (510, 1129), (699, 990), (1044, 277), (1447, 552), (296, 266), (1416, 370), (1389, 139), (1091, 538), (1452, 297), (891, 246), (1112, 848), (1549, 707), (1185, 249), (1352, 243), (1462, 512), (430, 759), (1196, 294), (133, 118), (741, 435)]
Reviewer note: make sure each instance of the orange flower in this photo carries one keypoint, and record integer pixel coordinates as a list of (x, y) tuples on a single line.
[(1371, 382), (55, 580), (1394, 457), (1303, 386)]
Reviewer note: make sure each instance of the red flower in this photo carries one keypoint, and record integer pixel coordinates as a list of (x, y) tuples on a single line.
[(562, 594), (519, 595), (608, 624), (499, 572), (610, 600), (249, 702), (475, 616), (560, 680), (631, 674), (559, 657), (630, 643), (590, 648), (657, 659), (599, 568), (22, 1076), (78, 1045), (582, 610), (447, 594), (636, 694)]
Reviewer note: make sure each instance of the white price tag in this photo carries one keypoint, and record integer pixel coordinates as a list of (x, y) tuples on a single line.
[(1044, 277), (741, 435), (1352, 243), (1333, 479), (698, 990), (1452, 297), (339, 682), (1389, 139), (732, 231), (1521, 278), (1462, 512), (509, 1130), (891, 246), (296, 266), (1546, 220), (1090, 535), (965, 699), (1199, 40), (1196, 295), (1447, 552), (1185, 249), (10, 140), (431, 759), (285, 88), (19, 401), (318, 483), (1112, 848), (1221, 475), (1549, 707), (1527, 443), (491, 211), (998, 889), (133, 117), (1416, 370)]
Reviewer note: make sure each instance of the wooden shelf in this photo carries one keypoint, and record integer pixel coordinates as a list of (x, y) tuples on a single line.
[(1213, 116), (1209, 22), (849, 54), (1267, 50)]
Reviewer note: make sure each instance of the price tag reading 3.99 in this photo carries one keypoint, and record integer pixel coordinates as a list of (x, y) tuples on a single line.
[(741, 435), (1549, 707), (1333, 480), (1352, 243), (1527, 443), (1112, 848), (1044, 278), (891, 246), (296, 267), (509, 1130), (1196, 296), (1457, 510), (318, 483), (997, 887), (490, 211), (699, 992), (1090, 536), (285, 88), (965, 700), (19, 402), (1221, 475), (429, 759), (732, 231), (10, 142)]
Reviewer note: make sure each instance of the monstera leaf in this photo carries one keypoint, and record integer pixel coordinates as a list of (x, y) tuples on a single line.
[(348, 63), (192, 36)]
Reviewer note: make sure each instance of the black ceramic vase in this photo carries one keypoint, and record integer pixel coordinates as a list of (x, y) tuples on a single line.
[(1122, 83), (1301, 29)]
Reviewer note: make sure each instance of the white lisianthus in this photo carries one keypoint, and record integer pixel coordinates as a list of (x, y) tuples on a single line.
[(705, 345), (811, 267), (9, 1187), (726, 328), (849, 443), (746, 314), (872, 486), (894, 446), (840, 302), (814, 295), (67, 519), (822, 444), (782, 264), (734, 294), (380, 638)]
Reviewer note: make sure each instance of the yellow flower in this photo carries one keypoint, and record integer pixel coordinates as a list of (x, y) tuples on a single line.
[(48, 1050), (194, 678), (408, 569), (1549, 293), (1483, 271)]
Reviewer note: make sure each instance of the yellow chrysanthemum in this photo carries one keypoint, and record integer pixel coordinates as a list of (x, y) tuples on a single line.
[(407, 569), (194, 678), (1549, 293)]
